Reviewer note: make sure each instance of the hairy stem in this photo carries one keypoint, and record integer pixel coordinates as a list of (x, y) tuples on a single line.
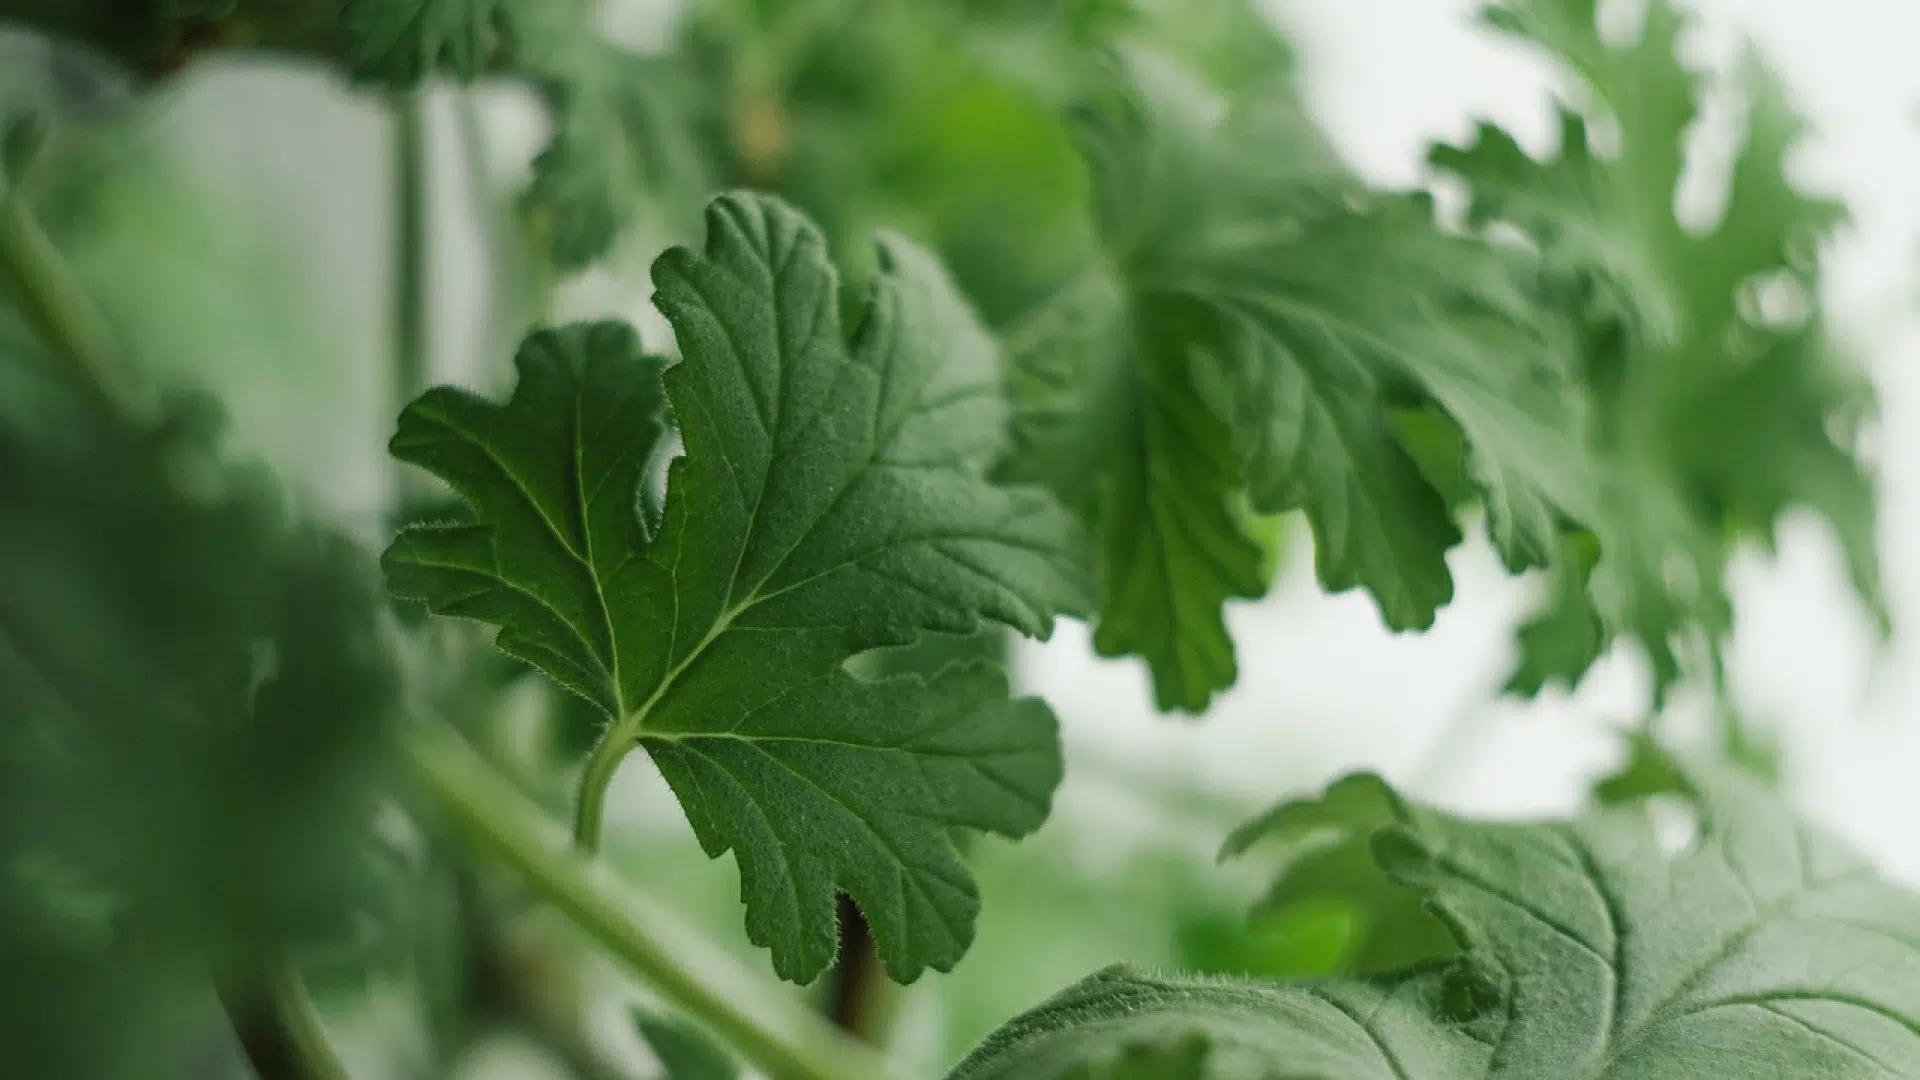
[(489, 815), (59, 310), (278, 1028), (861, 997), (590, 815)]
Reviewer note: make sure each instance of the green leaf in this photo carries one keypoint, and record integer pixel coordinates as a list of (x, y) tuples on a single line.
[(1327, 865), (402, 42), (1566, 636), (684, 1052), (1766, 948), (1253, 320), (1718, 407), (832, 499)]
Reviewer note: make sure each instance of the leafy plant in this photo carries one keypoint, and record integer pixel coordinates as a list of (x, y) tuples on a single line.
[(1128, 312)]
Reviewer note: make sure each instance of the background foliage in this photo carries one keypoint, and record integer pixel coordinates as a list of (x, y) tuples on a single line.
[(1612, 399)]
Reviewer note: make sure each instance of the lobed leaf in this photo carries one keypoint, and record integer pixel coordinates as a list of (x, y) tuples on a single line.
[(832, 499), (1250, 343)]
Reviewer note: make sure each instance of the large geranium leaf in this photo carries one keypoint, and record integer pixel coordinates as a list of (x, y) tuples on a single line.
[(832, 499), (1590, 951)]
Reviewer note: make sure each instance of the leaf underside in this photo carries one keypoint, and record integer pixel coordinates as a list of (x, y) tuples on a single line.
[(1764, 949)]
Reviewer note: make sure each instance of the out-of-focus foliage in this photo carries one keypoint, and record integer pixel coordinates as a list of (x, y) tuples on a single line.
[(684, 1053), (196, 690), (1720, 400)]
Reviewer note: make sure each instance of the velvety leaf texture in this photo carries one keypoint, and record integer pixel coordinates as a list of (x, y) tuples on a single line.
[(1720, 400), (1240, 355), (831, 499), (1764, 949)]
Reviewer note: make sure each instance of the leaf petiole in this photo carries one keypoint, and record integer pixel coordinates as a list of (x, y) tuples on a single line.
[(491, 816)]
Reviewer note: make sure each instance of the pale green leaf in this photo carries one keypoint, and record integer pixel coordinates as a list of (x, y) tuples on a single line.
[(1718, 406), (1765, 948)]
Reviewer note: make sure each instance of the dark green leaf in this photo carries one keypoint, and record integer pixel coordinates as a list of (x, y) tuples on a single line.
[(832, 499)]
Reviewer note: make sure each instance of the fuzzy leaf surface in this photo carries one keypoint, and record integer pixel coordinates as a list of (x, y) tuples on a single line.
[(832, 499), (1588, 951)]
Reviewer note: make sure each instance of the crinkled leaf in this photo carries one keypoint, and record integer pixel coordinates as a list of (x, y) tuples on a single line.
[(1718, 407), (1253, 340), (1125, 435), (1589, 951), (832, 499)]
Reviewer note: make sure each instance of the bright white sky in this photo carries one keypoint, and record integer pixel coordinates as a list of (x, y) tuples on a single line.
[(1324, 688)]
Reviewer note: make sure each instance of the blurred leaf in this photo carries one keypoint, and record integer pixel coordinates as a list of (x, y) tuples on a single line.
[(401, 42), (684, 1052), (627, 137), (195, 689), (1565, 636), (1719, 405), (1328, 872)]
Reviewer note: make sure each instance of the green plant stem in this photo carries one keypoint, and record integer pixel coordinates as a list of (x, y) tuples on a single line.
[(412, 342), (59, 310), (279, 1029), (590, 813), (491, 816)]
